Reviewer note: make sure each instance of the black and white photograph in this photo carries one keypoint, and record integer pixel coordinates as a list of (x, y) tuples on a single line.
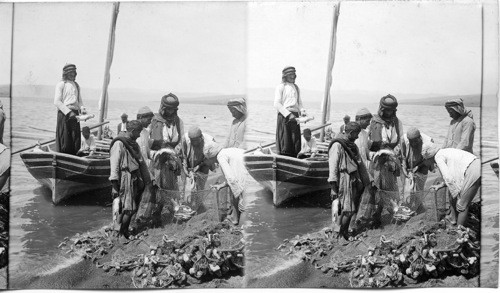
[(127, 145), (374, 177), (249, 144)]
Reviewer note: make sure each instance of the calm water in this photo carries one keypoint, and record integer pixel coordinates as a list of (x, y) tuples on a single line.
[(269, 226), (37, 226)]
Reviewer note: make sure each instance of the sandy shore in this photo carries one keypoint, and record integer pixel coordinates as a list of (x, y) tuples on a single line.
[(84, 274), (305, 275)]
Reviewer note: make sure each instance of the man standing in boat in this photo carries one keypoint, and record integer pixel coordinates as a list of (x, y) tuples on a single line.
[(128, 176), (348, 178), (288, 103), (462, 127), (236, 136), (68, 101)]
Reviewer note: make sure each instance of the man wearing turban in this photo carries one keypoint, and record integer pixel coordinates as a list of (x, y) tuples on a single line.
[(128, 176), (69, 104), (167, 129), (348, 178), (288, 103), (236, 136), (386, 129), (462, 127)]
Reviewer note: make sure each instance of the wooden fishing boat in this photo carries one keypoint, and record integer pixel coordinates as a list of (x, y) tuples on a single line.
[(494, 166), (288, 177), (68, 175)]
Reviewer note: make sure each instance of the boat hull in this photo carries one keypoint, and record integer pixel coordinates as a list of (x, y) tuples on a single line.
[(288, 177), (67, 175)]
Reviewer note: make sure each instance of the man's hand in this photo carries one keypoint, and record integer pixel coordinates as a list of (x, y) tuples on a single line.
[(438, 186), (115, 189), (334, 194), (71, 115), (219, 186), (291, 117)]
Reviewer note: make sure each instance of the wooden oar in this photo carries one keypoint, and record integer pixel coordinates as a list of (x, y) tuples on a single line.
[(490, 160), (265, 132), (52, 140), (274, 142), (41, 129)]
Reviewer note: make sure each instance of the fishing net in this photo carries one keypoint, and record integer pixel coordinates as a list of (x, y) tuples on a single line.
[(401, 206)]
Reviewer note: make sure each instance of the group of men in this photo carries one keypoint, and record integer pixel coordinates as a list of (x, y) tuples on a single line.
[(368, 158), (371, 155), (150, 153)]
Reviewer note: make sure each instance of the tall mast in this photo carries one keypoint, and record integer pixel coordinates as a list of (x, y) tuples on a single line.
[(331, 60), (103, 101)]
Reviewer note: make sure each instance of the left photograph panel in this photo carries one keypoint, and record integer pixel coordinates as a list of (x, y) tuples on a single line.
[(128, 144), (5, 139)]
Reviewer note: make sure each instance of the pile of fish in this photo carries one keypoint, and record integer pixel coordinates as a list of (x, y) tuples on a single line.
[(312, 247), (430, 252), (426, 255), (170, 264)]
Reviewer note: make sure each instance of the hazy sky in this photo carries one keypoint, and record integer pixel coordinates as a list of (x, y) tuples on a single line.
[(5, 41), (398, 47), (178, 47), (200, 47)]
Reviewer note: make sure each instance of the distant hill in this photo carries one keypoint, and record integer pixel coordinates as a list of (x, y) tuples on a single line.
[(469, 101), (315, 97), (47, 92), (4, 91), (212, 100)]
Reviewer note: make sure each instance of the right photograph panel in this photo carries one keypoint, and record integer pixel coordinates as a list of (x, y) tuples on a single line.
[(369, 163)]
